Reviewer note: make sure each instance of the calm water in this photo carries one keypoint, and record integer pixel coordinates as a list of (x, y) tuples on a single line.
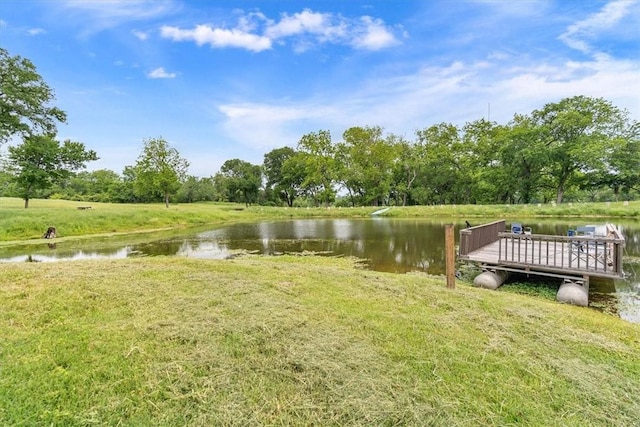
[(391, 245)]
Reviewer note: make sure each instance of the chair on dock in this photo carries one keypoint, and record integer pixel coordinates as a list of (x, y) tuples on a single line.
[(589, 231), (585, 251), (516, 228)]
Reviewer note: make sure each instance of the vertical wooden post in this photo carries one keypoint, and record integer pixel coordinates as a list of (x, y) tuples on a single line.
[(450, 255)]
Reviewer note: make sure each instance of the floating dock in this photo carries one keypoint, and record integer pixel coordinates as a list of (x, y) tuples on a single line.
[(573, 258)]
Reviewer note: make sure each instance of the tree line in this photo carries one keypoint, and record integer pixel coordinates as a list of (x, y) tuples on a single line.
[(580, 148)]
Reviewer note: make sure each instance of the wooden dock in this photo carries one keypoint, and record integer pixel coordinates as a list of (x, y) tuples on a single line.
[(574, 258)]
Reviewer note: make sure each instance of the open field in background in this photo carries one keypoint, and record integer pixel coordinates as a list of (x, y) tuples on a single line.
[(17, 223), (299, 341)]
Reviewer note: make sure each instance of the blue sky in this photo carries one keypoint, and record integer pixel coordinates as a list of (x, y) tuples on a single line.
[(235, 79)]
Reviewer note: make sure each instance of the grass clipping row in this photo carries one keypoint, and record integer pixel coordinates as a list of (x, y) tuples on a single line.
[(299, 341)]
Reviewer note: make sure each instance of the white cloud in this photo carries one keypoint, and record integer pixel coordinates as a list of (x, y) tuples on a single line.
[(457, 93), (304, 29), (308, 28), (516, 9), (306, 21), (218, 37), (577, 35), (125, 10), (373, 35), (614, 80), (140, 35), (363, 33), (263, 127), (263, 112), (160, 73), (36, 31), (250, 22), (95, 16), (499, 56)]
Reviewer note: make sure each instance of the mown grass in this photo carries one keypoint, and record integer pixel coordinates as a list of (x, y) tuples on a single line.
[(299, 341), (17, 223)]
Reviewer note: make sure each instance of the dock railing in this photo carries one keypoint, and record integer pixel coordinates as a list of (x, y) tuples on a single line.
[(597, 256), (490, 244), (473, 238)]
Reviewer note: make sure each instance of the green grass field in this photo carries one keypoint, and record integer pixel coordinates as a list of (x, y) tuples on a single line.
[(292, 340), (299, 341)]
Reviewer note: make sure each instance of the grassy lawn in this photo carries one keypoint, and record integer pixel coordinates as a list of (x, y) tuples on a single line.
[(299, 341), (292, 340)]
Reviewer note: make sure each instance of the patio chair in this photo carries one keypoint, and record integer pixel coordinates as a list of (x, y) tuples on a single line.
[(587, 252)]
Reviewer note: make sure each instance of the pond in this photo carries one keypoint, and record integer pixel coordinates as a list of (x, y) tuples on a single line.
[(390, 245)]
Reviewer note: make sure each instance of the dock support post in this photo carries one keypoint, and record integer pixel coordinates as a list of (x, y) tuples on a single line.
[(450, 255)]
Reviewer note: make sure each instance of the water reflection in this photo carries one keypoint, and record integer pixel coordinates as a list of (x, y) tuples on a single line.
[(391, 245), (69, 255)]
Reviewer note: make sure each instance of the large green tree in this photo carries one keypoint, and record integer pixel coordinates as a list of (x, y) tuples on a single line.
[(160, 170), (279, 175), (579, 134), (318, 157), (241, 180), (439, 179), (25, 100), (367, 160), (522, 156), (623, 172), (409, 158), (41, 161), (293, 176)]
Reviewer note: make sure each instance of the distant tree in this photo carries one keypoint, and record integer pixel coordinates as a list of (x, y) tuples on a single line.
[(75, 187), (104, 185), (439, 179), (521, 156), (293, 176), (6, 184), (221, 188), (284, 179), (368, 158), (41, 161), (241, 180), (318, 157), (478, 159), (206, 190), (196, 189), (95, 186), (187, 191), (126, 191), (159, 169), (24, 100), (623, 172), (409, 157), (348, 174)]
